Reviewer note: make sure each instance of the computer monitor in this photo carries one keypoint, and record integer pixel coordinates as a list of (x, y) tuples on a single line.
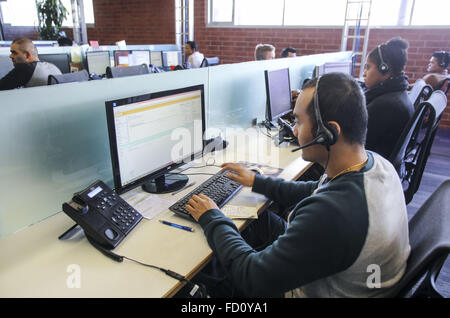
[(131, 57), (278, 92), (61, 60), (331, 67), (171, 58), (156, 58), (153, 134), (97, 62)]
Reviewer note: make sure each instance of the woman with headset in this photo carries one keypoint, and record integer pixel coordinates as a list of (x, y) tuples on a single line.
[(388, 104), (437, 69)]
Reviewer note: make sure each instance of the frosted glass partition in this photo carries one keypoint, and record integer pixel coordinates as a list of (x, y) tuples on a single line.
[(237, 91), (54, 141)]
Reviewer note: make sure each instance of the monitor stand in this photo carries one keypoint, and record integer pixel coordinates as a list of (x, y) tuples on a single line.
[(166, 183)]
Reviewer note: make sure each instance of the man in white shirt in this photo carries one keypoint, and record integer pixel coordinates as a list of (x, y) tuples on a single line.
[(195, 57)]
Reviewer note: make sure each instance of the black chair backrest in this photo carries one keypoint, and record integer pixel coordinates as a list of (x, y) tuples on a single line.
[(60, 60), (209, 61), (81, 76), (412, 143), (114, 72), (412, 149), (444, 85), (429, 237), (420, 92), (439, 102)]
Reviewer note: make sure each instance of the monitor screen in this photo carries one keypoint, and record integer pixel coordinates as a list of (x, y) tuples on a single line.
[(98, 61), (171, 58), (331, 67), (156, 58), (278, 92), (154, 133), (61, 60), (131, 57)]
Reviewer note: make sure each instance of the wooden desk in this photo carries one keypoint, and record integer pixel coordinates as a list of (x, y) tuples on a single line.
[(36, 264)]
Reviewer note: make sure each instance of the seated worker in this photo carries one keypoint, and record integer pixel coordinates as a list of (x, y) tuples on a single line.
[(28, 71), (195, 58), (437, 69), (288, 52), (388, 104), (352, 220), (264, 52)]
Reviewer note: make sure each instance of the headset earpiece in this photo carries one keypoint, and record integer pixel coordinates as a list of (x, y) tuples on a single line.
[(383, 67), (327, 134)]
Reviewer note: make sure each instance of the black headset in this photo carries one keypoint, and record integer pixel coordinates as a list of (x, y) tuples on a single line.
[(326, 134), (383, 67)]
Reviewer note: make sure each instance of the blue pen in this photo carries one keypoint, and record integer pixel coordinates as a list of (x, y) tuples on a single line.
[(178, 226)]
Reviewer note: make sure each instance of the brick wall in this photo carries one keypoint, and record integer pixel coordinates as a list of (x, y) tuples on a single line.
[(233, 45), (153, 21)]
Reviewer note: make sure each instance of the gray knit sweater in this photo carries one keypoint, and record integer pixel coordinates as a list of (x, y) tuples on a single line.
[(346, 238)]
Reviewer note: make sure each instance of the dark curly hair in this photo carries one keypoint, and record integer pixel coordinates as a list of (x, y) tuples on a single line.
[(394, 55)]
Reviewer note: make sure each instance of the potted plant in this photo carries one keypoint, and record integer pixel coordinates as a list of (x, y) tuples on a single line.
[(51, 14)]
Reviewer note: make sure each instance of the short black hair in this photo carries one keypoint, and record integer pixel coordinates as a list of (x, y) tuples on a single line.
[(342, 100), (394, 55), (192, 44), (443, 58), (285, 51)]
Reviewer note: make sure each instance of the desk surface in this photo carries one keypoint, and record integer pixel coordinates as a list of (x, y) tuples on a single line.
[(36, 264)]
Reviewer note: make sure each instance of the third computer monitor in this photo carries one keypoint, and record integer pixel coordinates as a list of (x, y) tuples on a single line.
[(278, 92), (98, 61), (153, 134), (171, 58), (131, 57)]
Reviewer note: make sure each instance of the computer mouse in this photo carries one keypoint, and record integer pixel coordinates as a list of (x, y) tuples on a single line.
[(256, 169)]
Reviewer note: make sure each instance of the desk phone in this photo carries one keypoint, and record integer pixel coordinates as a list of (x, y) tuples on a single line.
[(103, 215)]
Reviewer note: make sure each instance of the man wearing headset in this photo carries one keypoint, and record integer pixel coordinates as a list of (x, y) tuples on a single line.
[(347, 235)]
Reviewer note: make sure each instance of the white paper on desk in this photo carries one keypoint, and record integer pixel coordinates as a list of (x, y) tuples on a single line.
[(240, 212), (150, 205)]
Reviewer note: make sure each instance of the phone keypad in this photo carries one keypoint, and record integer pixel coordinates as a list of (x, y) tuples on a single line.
[(122, 214)]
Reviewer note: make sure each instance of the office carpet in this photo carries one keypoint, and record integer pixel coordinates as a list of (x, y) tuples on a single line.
[(436, 171)]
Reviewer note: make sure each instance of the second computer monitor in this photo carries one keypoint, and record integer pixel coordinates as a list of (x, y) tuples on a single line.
[(156, 58), (278, 92), (98, 61), (171, 58), (131, 57), (332, 67)]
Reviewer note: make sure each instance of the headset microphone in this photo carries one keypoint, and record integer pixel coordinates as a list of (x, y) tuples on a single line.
[(315, 141)]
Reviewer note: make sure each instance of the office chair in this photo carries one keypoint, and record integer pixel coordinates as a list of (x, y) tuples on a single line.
[(209, 61), (429, 237), (409, 154), (444, 85), (81, 76), (439, 102), (114, 72), (419, 92)]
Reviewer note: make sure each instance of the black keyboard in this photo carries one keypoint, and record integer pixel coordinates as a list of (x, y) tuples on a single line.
[(218, 187)]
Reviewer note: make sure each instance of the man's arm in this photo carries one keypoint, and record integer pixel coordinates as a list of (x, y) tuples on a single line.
[(286, 193), (314, 246), (18, 76)]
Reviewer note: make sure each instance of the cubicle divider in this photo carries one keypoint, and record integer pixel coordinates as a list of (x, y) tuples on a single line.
[(54, 139), (78, 53)]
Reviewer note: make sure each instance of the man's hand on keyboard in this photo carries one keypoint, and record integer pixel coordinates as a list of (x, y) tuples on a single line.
[(199, 204), (242, 174)]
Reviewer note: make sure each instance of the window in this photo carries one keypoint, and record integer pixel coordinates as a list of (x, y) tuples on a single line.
[(24, 12), (326, 12), (430, 12), (317, 12)]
